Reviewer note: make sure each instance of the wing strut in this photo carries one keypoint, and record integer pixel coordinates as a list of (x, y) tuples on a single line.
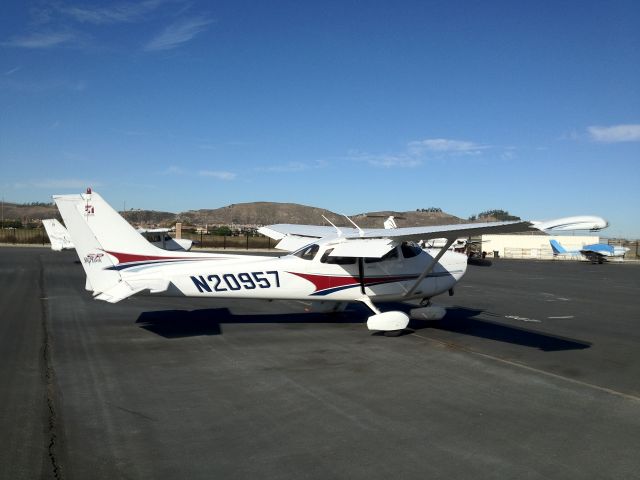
[(430, 266)]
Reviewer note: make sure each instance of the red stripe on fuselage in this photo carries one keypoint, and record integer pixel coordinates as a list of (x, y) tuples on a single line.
[(323, 282), (132, 257)]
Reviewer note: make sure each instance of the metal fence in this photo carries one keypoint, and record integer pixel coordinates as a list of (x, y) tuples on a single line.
[(230, 242), (24, 236), (545, 253), (38, 236)]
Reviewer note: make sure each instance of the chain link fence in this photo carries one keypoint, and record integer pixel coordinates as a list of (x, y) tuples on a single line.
[(38, 236)]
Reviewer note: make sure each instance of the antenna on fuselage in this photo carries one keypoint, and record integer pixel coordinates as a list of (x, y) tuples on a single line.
[(354, 224), (337, 229)]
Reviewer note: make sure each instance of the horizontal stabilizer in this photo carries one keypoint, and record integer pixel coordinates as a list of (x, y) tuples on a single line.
[(125, 289), (118, 292)]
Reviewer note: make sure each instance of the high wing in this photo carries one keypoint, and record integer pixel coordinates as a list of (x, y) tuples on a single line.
[(301, 235), (587, 252), (450, 232)]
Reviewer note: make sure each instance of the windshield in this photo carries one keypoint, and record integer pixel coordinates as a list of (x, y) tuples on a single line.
[(410, 250), (336, 260), (308, 252)]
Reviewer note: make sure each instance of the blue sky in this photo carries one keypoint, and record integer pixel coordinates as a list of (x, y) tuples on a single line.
[(533, 107)]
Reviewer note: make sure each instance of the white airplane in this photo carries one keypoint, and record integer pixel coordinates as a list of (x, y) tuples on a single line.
[(597, 252), (332, 265), (58, 235), (160, 238)]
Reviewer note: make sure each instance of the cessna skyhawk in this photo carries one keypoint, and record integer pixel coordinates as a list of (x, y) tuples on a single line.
[(330, 264)]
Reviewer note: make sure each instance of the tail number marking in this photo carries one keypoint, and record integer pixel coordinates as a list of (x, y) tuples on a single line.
[(236, 281)]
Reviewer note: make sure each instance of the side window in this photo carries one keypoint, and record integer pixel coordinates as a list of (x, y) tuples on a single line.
[(336, 260), (391, 255), (308, 252), (410, 250)]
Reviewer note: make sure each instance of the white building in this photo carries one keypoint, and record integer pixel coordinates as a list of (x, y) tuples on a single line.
[(534, 246)]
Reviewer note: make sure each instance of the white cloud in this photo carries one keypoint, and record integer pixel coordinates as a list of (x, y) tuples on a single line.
[(444, 145), (12, 71), (178, 33), (220, 175), (40, 40), (615, 133), (120, 13), (60, 183), (293, 167), (387, 160), (172, 170), (419, 151)]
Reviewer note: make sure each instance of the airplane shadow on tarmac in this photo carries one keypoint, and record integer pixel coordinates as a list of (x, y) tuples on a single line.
[(189, 323), (462, 320)]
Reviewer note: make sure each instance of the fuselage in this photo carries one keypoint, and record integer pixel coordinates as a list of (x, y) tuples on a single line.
[(310, 273), (605, 249)]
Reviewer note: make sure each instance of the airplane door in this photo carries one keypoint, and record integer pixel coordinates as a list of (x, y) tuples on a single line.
[(336, 271)]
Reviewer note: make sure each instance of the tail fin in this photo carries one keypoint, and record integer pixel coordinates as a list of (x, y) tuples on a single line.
[(115, 234), (556, 247), (91, 253), (104, 241), (58, 235), (390, 223)]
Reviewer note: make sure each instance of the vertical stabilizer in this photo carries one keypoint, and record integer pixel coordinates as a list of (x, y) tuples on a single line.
[(58, 235), (115, 234), (94, 260), (556, 247)]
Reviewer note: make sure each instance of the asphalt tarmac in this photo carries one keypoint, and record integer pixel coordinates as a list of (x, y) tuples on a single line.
[(534, 373)]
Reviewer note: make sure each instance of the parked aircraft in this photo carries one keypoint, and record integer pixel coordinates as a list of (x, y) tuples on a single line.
[(160, 238), (597, 252), (58, 235), (332, 265)]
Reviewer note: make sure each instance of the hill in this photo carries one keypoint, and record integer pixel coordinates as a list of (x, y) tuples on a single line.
[(255, 213)]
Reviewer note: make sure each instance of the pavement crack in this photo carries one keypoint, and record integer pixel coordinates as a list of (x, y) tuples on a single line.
[(136, 413), (49, 380)]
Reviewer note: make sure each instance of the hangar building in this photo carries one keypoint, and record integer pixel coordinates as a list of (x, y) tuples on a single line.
[(533, 246)]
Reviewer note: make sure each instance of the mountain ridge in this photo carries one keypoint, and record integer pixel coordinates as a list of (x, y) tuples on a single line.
[(249, 213)]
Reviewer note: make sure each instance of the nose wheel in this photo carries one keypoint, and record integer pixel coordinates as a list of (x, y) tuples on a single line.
[(391, 323)]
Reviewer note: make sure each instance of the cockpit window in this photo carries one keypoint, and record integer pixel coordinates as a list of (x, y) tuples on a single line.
[(392, 254), (336, 260), (410, 250), (308, 252)]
